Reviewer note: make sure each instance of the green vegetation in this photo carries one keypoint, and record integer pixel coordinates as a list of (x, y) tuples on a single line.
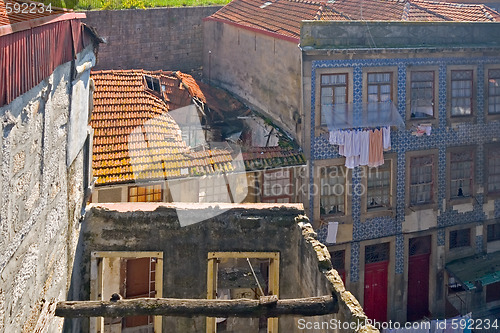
[(126, 4)]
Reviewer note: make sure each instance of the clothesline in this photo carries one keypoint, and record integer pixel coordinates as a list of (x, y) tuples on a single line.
[(362, 147)]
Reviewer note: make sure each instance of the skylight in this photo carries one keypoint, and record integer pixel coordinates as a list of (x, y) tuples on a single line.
[(266, 4)]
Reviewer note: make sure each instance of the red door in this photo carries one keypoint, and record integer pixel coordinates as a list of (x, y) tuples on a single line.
[(376, 290), (139, 283), (418, 286)]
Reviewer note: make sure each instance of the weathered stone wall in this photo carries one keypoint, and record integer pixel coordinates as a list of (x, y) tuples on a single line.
[(262, 70), (246, 227), (40, 204), (151, 39)]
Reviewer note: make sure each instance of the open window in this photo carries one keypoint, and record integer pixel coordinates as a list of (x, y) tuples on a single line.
[(132, 275), (236, 275)]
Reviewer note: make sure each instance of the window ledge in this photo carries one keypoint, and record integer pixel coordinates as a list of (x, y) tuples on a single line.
[(415, 208), (492, 117), (378, 213), (491, 196), (461, 119), (459, 201), (417, 121), (336, 218)]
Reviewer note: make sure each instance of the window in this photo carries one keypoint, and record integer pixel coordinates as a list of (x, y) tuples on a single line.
[(422, 94), (459, 238), (422, 180), (378, 187), (332, 190), (379, 97), (277, 186), (334, 98), (338, 262), (152, 83), (461, 174), (150, 193), (379, 87), (236, 275), (132, 275), (494, 91), (461, 92), (213, 189), (493, 232), (493, 292), (493, 174)]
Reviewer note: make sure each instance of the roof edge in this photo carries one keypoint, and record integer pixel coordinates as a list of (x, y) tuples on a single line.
[(254, 29), (16, 27)]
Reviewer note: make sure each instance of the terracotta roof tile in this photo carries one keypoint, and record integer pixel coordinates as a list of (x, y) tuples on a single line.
[(284, 16), (134, 136), (17, 16), (271, 157)]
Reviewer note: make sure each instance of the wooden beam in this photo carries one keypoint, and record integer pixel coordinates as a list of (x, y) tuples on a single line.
[(311, 306)]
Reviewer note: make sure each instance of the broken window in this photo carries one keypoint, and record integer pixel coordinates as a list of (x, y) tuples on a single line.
[(459, 238), (152, 83), (236, 275), (277, 186), (131, 275), (494, 91), (150, 193)]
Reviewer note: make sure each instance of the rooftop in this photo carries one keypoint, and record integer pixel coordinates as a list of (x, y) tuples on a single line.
[(17, 15), (283, 17), (137, 138)]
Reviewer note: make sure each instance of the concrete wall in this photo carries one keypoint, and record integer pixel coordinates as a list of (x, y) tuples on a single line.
[(262, 70), (40, 204), (246, 227), (158, 38), (319, 34)]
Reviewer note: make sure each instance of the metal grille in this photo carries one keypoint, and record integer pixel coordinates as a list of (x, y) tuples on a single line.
[(459, 238), (420, 245), (377, 253)]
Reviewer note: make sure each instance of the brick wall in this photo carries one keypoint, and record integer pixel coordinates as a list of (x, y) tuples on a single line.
[(157, 38)]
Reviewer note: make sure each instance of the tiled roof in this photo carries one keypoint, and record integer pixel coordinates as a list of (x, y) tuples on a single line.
[(271, 157), (134, 136), (27, 11), (283, 17)]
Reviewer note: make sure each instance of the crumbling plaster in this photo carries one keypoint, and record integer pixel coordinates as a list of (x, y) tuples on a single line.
[(40, 204)]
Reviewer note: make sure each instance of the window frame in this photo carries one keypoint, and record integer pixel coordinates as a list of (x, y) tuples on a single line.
[(494, 226), (96, 280), (457, 233), (317, 93), (346, 217), (434, 192), (488, 149), (487, 68), (449, 152), (461, 118), (434, 119), (274, 198), (146, 186), (366, 213), (274, 280)]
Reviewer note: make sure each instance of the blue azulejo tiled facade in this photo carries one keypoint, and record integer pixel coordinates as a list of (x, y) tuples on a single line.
[(478, 131)]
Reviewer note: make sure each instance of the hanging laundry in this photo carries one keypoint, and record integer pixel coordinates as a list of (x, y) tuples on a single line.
[(331, 236), (376, 153), (386, 136), (364, 146)]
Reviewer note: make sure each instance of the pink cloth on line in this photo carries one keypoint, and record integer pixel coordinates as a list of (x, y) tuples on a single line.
[(376, 151)]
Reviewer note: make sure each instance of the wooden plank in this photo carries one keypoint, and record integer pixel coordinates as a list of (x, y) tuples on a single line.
[(311, 306), (259, 255)]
